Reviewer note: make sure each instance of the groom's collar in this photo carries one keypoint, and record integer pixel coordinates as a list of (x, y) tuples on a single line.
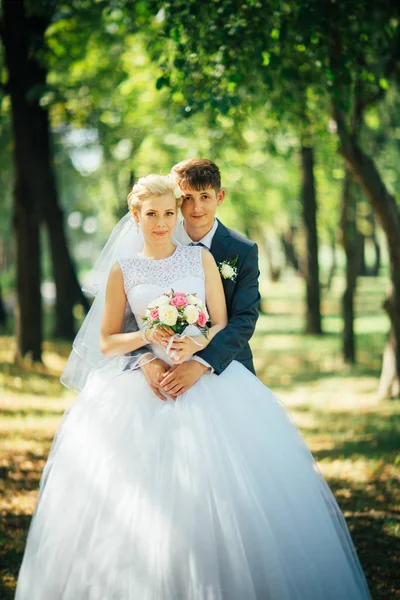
[(220, 243), (206, 240), (221, 230)]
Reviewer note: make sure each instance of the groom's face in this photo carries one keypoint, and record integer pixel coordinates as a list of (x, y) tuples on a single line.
[(199, 208)]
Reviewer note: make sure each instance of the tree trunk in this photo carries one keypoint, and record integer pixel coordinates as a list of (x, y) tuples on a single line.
[(362, 263), (274, 271), (368, 270), (389, 384), (68, 291), (377, 264), (23, 74), (3, 315), (351, 247), (41, 178), (332, 270), (309, 201), (289, 251), (388, 215), (6, 254)]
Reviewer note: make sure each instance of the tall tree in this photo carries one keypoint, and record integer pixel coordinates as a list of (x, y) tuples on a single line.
[(19, 32), (379, 60), (350, 235), (24, 27), (309, 203)]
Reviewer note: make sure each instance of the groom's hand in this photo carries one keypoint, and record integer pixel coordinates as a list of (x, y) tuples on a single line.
[(153, 372), (179, 378)]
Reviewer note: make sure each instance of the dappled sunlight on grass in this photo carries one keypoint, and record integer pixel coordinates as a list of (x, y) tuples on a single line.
[(32, 378), (285, 360), (359, 471), (32, 402)]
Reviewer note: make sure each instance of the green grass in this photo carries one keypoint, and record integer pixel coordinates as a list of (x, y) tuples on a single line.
[(354, 436)]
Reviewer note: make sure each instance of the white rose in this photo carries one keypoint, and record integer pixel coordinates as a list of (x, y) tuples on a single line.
[(168, 315), (163, 300), (191, 299), (201, 307), (227, 271), (191, 314)]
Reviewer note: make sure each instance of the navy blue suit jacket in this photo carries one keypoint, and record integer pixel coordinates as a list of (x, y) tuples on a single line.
[(242, 301)]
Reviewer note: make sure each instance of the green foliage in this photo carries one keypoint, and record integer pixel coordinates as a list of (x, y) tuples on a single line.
[(294, 51), (124, 76)]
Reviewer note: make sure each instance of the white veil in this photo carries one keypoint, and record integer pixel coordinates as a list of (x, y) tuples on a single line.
[(124, 241)]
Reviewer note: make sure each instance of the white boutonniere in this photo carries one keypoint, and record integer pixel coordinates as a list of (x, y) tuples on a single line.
[(228, 269)]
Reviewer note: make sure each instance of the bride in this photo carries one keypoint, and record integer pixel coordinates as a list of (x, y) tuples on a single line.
[(214, 496)]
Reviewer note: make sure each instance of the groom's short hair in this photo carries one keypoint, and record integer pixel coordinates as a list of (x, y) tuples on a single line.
[(198, 174)]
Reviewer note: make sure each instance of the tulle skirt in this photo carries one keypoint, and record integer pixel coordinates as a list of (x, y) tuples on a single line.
[(212, 497)]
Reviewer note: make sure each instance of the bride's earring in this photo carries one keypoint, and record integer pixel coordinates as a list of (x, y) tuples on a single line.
[(137, 226)]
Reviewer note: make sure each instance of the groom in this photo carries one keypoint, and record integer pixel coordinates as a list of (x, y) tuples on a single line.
[(200, 182)]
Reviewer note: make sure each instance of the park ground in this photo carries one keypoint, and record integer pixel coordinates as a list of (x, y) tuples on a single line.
[(354, 436)]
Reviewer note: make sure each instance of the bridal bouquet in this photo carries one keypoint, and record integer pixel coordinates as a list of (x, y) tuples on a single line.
[(177, 310)]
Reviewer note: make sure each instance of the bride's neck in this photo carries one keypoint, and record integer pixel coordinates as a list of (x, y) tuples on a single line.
[(158, 251)]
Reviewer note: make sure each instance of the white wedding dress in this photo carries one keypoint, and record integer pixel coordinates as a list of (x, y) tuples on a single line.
[(212, 497)]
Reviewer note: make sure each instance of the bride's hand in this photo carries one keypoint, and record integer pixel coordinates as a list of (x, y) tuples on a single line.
[(159, 335), (184, 348)]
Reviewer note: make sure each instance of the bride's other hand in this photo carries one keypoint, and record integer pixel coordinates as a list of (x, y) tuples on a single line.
[(183, 348), (159, 335)]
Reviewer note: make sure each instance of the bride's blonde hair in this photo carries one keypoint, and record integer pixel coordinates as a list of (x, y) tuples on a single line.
[(153, 185)]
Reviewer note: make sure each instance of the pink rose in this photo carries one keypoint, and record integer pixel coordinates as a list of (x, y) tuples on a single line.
[(180, 294), (202, 320), (153, 314), (178, 301)]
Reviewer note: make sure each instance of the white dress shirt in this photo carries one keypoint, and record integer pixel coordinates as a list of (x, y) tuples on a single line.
[(181, 236)]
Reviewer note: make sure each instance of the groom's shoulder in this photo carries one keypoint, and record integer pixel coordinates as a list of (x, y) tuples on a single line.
[(240, 239)]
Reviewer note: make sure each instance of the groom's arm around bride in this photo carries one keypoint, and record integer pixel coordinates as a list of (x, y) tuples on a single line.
[(242, 299)]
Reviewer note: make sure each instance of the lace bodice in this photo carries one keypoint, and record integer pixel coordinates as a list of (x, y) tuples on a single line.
[(139, 270), (145, 279)]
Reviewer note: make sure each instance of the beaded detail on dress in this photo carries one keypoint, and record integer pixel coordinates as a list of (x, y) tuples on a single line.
[(185, 261)]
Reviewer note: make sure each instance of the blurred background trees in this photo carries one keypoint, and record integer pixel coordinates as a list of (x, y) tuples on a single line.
[(297, 102)]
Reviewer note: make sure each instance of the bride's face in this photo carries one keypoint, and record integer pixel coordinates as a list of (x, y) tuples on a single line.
[(157, 218)]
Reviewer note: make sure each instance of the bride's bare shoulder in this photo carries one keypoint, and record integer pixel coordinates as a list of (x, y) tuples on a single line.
[(208, 259), (116, 276)]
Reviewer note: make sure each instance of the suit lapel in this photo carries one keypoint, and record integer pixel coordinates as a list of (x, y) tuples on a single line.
[(220, 242)]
